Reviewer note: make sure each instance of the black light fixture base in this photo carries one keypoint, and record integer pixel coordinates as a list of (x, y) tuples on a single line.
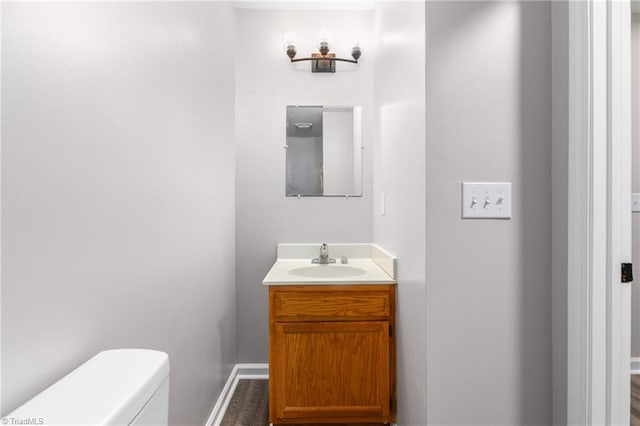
[(323, 65)]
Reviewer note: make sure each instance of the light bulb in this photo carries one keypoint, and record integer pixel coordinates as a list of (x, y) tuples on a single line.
[(289, 39), (323, 36), (324, 45)]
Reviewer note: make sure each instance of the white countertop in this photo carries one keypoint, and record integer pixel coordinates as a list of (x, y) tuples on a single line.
[(378, 268)]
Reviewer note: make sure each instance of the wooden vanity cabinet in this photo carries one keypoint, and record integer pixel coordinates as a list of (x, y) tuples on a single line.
[(331, 354)]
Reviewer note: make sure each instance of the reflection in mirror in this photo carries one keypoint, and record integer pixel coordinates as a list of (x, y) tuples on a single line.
[(324, 150)]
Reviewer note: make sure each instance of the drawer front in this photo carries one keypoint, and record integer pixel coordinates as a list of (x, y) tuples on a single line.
[(336, 303)]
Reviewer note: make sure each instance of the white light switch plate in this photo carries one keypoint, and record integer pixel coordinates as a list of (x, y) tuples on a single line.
[(635, 202), (486, 200)]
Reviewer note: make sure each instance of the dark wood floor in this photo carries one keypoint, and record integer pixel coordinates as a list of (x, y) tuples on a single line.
[(635, 400), (249, 404)]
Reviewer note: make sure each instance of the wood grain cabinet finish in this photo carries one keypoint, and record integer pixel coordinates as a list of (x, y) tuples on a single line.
[(331, 354)]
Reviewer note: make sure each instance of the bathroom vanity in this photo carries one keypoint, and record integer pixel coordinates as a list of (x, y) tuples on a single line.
[(332, 336)]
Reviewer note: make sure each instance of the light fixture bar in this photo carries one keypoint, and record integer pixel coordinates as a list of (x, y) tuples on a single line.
[(325, 58)]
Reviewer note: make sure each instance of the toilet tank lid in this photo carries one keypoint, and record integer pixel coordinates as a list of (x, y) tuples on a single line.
[(110, 388)]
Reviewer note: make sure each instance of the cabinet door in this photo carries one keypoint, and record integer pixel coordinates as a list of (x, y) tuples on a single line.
[(336, 370)]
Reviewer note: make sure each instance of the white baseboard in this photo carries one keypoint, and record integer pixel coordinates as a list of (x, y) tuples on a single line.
[(239, 371), (635, 365)]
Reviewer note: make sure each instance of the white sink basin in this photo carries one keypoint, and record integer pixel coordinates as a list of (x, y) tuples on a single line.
[(368, 264), (327, 271)]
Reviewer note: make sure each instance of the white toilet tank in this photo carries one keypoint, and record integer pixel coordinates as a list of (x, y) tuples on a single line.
[(115, 387)]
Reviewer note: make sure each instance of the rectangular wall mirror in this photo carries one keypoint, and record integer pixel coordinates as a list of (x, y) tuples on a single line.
[(324, 151)]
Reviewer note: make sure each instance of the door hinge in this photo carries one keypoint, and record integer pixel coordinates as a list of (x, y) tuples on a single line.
[(626, 273), (390, 403), (390, 330)]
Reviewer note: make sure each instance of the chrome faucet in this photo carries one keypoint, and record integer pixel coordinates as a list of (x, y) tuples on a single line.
[(324, 258)]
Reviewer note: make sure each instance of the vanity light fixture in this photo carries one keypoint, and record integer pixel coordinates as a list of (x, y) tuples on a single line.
[(322, 61)]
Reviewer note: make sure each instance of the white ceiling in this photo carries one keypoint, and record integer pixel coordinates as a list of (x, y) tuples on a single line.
[(306, 4)]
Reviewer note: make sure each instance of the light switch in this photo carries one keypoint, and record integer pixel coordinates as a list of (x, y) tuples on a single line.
[(635, 202), (486, 200)]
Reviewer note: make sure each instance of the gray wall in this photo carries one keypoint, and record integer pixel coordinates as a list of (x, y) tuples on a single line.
[(265, 83), (489, 281), (635, 185), (118, 193), (400, 173), (559, 203)]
